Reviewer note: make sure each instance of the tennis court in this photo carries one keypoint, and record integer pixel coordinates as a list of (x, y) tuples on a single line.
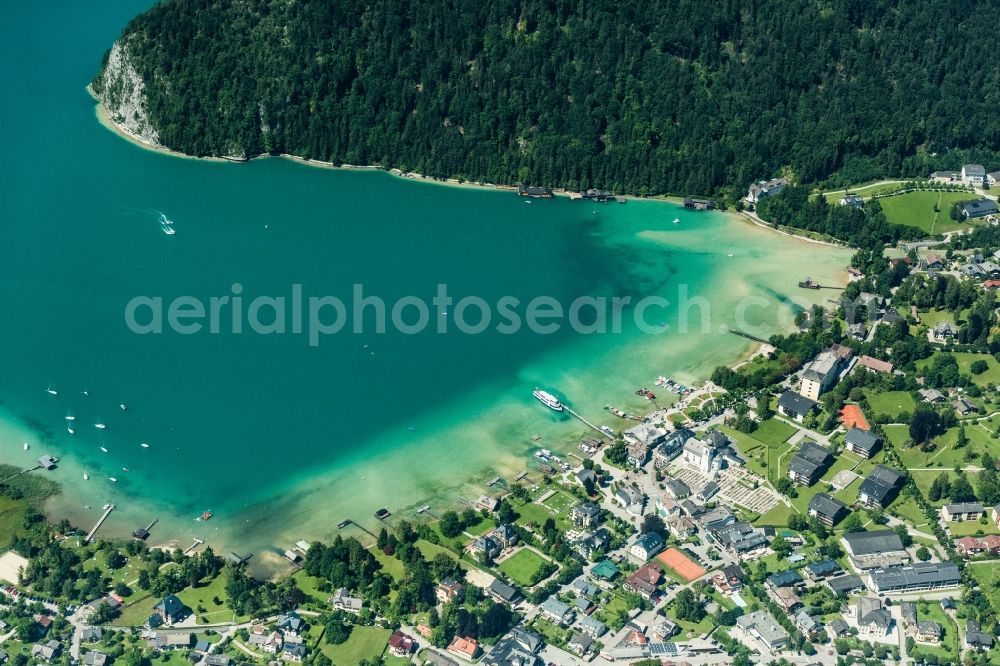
[(680, 563), (852, 417)]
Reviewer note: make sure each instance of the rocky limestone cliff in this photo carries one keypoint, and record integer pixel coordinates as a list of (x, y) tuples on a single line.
[(122, 91)]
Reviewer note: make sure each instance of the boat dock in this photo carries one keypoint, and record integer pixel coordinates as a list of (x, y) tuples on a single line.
[(494, 481), (521, 475), (197, 542), (100, 521), (587, 423), (748, 336)]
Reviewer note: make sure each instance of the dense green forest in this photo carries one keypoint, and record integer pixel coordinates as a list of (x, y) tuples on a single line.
[(652, 96)]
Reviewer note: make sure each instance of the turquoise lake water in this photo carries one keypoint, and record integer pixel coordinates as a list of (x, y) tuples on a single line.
[(279, 438)]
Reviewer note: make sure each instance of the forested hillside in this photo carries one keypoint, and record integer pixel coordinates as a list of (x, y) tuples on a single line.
[(639, 96)]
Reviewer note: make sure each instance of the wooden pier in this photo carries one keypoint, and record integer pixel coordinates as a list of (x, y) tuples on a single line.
[(748, 336), (197, 542), (587, 423), (100, 521), (521, 475)]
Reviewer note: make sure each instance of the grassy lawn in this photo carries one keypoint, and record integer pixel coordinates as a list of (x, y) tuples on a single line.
[(945, 455), (907, 509), (947, 651), (538, 513), (965, 361), (988, 575), (390, 563), (521, 566), (310, 586), (762, 458), (773, 432), (972, 528), (916, 209), (203, 596), (137, 614), (552, 634), (925, 479), (364, 643), (892, 403)]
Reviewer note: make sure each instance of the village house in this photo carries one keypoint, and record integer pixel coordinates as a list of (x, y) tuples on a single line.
[(401, 645), (943, 332), (46, 651), (809, 464), (795, 406), (964, 406), (805, 623), (827, 509), (822, 569), (487, 503), (970, 545), (861, 442), (580, 644), (171, 640), (974, 174), (169, 611), (517, 648), (993, 178), (554, 611), (94, 658), (448, 589), (822, 372), (585, 514), (644, 581), (586, 476), (762, 626), (677, 489), (739, 538), (591, 544), (646, 546), (730, 578), (945, 176), (929, 631), (464, 647), (505, 535), (875, 365), (852, 200), (954, 513), (880, 487), (930, 395), (485, 545), (671, 447), (764, 189), (681, 527), (975, 638), (872, 617), (628, 497), (341, 600), (501, 591), (908, 610), (593, 627), (666, 507)]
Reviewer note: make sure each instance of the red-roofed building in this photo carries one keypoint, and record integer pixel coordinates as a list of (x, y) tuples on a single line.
[(401, 645), (424, 630), (467, 648), (969, 545), (991, 284), (874, 364), (644, 581), (991, 542)]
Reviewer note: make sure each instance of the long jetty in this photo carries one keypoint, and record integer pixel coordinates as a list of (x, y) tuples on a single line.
[(587, 423), (748, 336), (100, 521), (197, 542)]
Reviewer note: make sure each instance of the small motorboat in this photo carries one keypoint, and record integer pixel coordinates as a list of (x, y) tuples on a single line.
[(677, 220), (112, 479), (26, 447), (70, 417), (86, 477), (126, 469), (124, 407), (104, 449), (51, 391), (100, 426), (70, 430), (206, 515), (144, 445)]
